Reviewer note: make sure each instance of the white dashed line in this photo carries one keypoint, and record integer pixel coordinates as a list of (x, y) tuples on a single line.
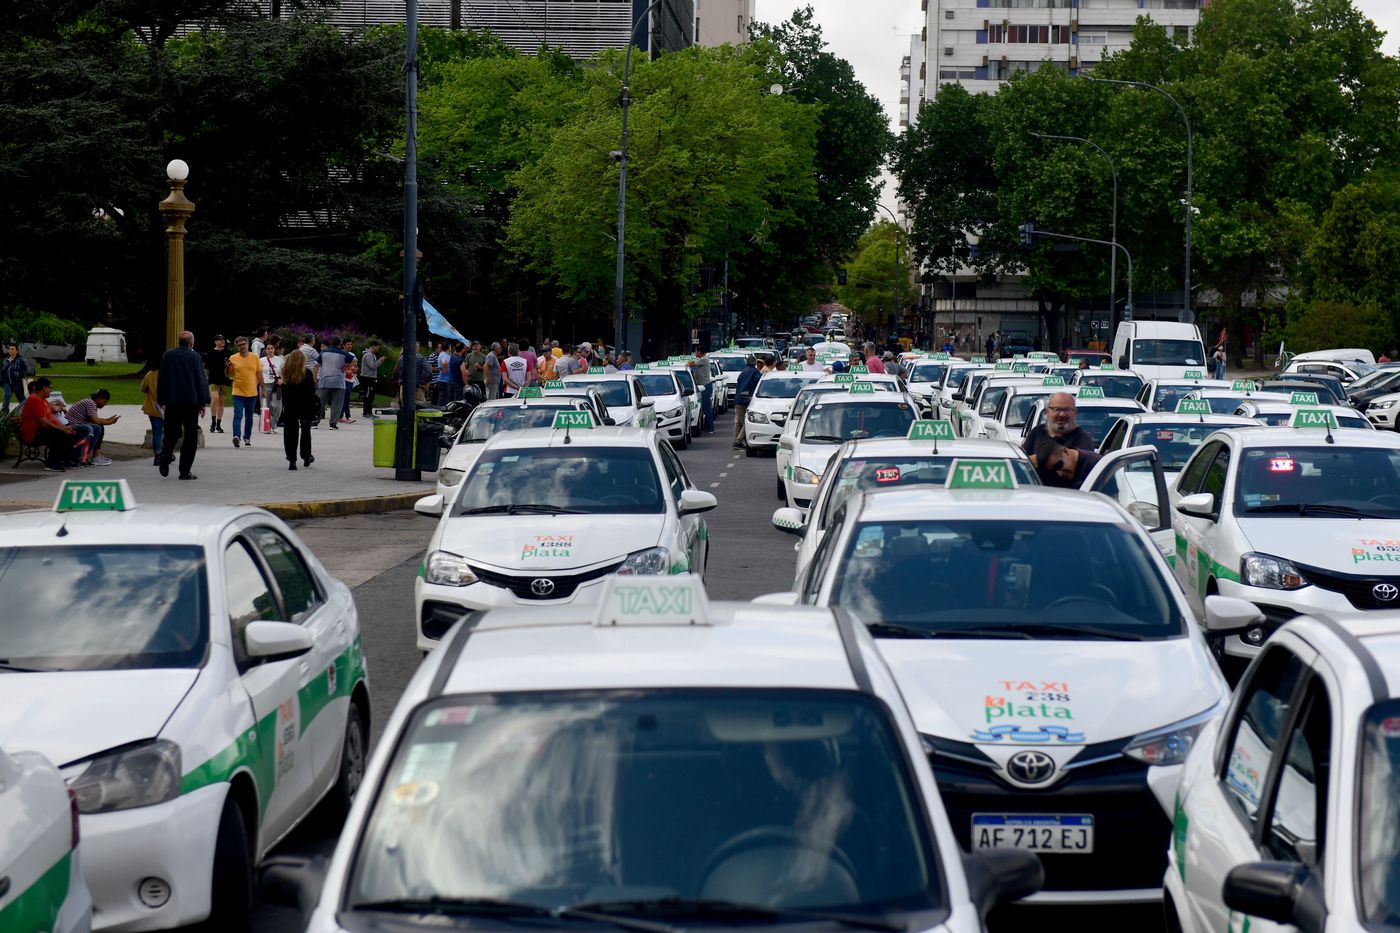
[(714, 485), (723, 475), (729, 466)]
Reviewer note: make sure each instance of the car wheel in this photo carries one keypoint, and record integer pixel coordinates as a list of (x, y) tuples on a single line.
[(354, 751), (749, 451), (231, 893), (684, 442), (782, 491)]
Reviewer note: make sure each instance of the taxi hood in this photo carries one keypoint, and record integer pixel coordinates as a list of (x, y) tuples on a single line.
[(1053, 694), (71, 715), (1365, 547), (550, 542)]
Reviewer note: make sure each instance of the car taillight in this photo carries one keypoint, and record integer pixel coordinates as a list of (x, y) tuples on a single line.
[(73, 818)]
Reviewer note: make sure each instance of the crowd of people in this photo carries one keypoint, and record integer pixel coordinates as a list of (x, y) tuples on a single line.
[(502, 368)]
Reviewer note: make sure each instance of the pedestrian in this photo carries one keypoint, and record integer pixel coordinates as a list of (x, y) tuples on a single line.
[(417, 384), (151, 409), (517, 372), (475, 362), (532, 364), (1218, 354), (83, 416), (369, 377), (1063, 453), (272, 364), (492, 370), (441, 364), (545, 372), (624, 362), (873, 362), (39, 425), (457, 377), (259, 343), (743, 395), (700, 372), (182, 391), (216, 371), (12, 373), (352, 369), (299, 404), (245, 371), (330, 384)]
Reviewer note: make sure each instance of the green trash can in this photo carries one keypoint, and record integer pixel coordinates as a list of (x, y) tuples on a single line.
[(386, 435)]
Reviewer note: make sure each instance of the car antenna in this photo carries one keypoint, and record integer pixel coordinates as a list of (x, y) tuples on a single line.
[(1330, 438), (63, 529)]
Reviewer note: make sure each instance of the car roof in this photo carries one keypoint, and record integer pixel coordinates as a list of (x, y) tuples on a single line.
[(1341, 437), (1171, 417), (1023, 504), (538, 438), (879, 398), (551, 395), (561, 649), (1108, 402), (957, 447), (789, 373), (142, 524)]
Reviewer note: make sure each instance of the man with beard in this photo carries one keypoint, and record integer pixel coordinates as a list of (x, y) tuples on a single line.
[(1062, 451)]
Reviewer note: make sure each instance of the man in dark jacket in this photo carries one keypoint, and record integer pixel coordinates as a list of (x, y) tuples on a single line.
[(182, 389), (743, 394), (1062, 451)]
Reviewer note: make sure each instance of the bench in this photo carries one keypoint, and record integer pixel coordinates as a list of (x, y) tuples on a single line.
[(37, 452)]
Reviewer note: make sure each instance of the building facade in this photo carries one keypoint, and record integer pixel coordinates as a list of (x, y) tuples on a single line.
[(721, 21), (911, 81)]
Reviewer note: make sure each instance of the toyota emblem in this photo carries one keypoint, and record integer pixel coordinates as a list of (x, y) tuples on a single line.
[(1031, 767), (1385, 592), (542, 587)]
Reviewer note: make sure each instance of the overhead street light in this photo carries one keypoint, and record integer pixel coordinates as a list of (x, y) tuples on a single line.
[(1029, 232)]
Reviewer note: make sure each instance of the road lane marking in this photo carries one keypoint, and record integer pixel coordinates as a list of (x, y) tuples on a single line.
[(714, 485), (723, 475)]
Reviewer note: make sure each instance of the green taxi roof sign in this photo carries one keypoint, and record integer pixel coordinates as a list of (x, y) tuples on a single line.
[(676, 599), (931, 430), (1053, 381), (842, 378), (1091, 392), (979, 359), (861, 387), (1193, 406), (1303, 398), (1195, 374), (941, 355), (94, 495), (1004, 366), (596, 370), (566, 420), (554, 384), (1242, 385), (860, 370), (981, 474), (532, 392), (1107, 364), (643, 367), (1313, 418), (1074, 360), (1020, 367)]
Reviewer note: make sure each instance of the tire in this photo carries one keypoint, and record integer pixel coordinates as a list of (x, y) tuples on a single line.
[(782, 491), (354, 752), (684, 442), (749, 451), (231, 893)]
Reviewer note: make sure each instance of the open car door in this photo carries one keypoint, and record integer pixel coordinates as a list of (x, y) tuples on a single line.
[(1133, 478)]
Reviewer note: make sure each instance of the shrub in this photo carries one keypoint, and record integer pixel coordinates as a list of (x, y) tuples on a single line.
[(25, 325)]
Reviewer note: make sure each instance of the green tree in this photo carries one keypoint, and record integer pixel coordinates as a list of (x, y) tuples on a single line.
[(870, 289)]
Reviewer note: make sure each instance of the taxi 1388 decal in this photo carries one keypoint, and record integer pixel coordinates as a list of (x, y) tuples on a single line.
[(1042, 706)]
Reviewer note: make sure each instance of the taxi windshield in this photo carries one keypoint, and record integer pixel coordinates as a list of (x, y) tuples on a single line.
[(957, 375), (1166, 396), (1091, 580), (103, 607), (1319, 481), (1378, 817), (730, 364), (659, 384), (863, 474), (591, 480), (1224, 404), (1168, 352), (1019, 408), (615, 392), (1175, 442), (647, 801), (1113, 385), (927, 372), (1097, 420), (686, 380), (780, 387), (832, 424), (485, 422)]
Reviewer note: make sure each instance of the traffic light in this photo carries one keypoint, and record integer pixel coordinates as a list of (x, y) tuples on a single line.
[(840, 276), (1027, 233)]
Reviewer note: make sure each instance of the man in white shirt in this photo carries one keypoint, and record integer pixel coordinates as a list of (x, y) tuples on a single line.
[(517, 371), (810, 364)]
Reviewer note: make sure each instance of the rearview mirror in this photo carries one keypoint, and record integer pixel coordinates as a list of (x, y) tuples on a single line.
[(1284, 892), (1228, 615), (1202, 505), (275, 641), (431, 506), (790, 521), (694, 501), (1001, 876)]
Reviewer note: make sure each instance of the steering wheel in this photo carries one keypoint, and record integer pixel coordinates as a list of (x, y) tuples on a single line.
[(1107, 598), (773, 837), (1387, 498)]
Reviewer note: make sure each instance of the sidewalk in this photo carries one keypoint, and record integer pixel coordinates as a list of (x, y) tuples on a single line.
[(342, 481)]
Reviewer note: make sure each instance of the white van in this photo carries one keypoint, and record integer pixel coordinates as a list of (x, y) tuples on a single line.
[(1159, 349)]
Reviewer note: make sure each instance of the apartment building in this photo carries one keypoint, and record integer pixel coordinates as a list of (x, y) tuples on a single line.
[(911, 81), (721, 21)]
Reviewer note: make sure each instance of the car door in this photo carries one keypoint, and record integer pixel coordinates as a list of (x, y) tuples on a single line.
[(1133, 478), (1198, 537), (1226, 814), (694, 533), (273, 687), (325, 673)]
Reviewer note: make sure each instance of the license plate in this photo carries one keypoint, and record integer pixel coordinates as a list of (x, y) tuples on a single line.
[(1034, 832)]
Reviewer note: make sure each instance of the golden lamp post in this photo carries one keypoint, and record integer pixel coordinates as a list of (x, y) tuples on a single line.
[(176, 209)]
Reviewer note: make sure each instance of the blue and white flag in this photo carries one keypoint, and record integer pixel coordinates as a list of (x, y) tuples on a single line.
[(437, 324)]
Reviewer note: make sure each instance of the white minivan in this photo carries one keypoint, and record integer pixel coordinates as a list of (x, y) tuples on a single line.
[(1158, 349)]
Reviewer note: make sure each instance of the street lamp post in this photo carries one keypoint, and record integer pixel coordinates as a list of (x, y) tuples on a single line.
[(176, 209), (1112, 253), (625, 98), (404, 453), (1128, 309), (897, 231), (1187, 314)]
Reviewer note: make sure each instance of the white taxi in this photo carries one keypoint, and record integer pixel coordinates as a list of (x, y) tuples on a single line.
[(1115, 382), (806, 397), (1053, 667), (545, 515), (950, 389), (984, 401), (197, 676), (1163, 394), (627, 402), (1175, 435), (41, 880), (1094, 413), (1271, 413), (530, 409), (1288, 806), (655, 762), (690, 391), (922, 377), (1299, 521), (771, 405), (663, 389), (1018, 405), (832, 420)]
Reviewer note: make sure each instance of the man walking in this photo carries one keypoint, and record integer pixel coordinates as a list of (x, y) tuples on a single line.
[(475, 363), (330, 384), (743, 395), (12, 373), (369, 376), (700, 372), (182, 390), (245, 370)]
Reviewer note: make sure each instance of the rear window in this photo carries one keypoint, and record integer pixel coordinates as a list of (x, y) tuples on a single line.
[(780, 387), (871, 473), (485, 422), (834, 424)]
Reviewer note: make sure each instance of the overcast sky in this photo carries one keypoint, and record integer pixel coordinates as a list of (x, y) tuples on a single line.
[(873, 35)]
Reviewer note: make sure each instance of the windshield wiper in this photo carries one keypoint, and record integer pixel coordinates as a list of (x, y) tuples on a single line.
[(732, 911), (486, 510), (490, 906), (9, 668), (826, 438), (894, 630), (1303, 508), (519, 509), (1033, 629)]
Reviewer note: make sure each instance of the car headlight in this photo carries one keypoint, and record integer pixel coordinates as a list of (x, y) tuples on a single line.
[(1170, 745), (1273, 573), (450, 477), (1382, 406), (135, 776), (444, 568), (670, 412), (757, 417), (805, 476), (652, 562)]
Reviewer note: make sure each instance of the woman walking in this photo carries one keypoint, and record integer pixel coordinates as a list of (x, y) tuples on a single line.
[(299, 404), (152, 410)]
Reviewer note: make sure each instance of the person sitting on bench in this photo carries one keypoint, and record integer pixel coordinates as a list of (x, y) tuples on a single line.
[(39, 426)]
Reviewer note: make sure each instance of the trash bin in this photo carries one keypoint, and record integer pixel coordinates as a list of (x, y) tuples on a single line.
[(427, 443), (386, 435)]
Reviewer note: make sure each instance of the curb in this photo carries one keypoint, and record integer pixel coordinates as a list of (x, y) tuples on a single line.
[(331, 508)]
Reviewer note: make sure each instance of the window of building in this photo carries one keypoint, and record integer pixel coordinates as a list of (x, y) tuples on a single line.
[(957, 74), (1172, 4), (1043, 35), (1029, 5)]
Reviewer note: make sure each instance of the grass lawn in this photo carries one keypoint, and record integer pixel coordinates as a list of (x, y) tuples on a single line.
[(79, 380)]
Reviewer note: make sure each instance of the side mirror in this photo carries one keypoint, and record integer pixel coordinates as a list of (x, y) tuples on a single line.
[(1284, 892), (646, 400), (1229, 615), (790, 521), (275, 641), (1001, 876), (788, 443), (431, 506), (1123, 361), (1202, 505), (777, 599), (694, 501), (289, 881), (446, 441), (609, 422)]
